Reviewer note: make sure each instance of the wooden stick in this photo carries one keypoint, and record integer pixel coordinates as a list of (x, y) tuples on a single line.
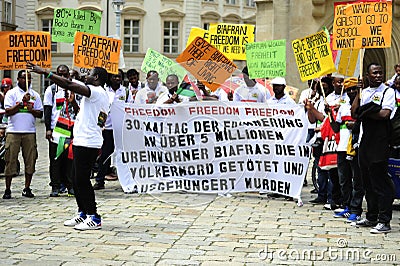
[(26, 80), (362, 51)]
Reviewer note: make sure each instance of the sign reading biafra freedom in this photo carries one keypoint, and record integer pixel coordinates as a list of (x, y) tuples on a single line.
[(162, 64), (18, 47), (206, 63), (96, 51), (67, 21), (362, 24), (266, 59), (230, 39), (313, 56)]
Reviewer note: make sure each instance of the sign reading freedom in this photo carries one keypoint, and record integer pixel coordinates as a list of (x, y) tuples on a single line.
[(266, 59), (18, 47), (67, 21), (96, 51), (362, 24), (206, 63), (211, 147), (313, 56)]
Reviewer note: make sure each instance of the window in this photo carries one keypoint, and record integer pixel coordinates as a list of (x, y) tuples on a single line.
[(208, 0), (47, 26), (206, 26), (250, 3), (171, 37), (231, 2), (8, 11), (131, 35)]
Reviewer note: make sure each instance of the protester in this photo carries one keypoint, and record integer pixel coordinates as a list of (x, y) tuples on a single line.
[(280, 97), (395, 121), (390, 82), (116, 92), (170, 96), (6, 85), (23, 105), (87, 140), (374, 109), (252, 91), (152, 89), (134, 83)]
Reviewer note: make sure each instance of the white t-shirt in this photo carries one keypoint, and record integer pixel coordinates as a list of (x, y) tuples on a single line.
[(221, 94), (251, 94), (86, 131), (22, 121), (118, 95), (284, 100), (344, 114), (376, 94), (166, 95), (142, 94)]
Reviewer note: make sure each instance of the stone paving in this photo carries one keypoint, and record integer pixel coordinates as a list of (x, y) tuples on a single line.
[(182, 229)]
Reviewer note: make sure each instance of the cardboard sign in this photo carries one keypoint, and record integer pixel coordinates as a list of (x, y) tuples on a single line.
[(18, 47), (366, 24), (96, 51), (348, 62), (231, 39), (313, 56), (206, 63), (162, 64), (67, 21), (266, 59), (197, 32)]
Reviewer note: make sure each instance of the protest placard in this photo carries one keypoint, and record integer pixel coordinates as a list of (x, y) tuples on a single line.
[(211, 147), (206, 63), (362, 24), (196, 32), (67, 21), (313, 56), (162, 64), (348, 62), (18, 47), (96, 51), (266, 59), (230, 39)]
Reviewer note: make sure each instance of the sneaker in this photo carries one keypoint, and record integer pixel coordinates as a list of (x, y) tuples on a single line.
[(27, 192), (318, 201), (62, 189), (343, 214), (71, 192), (54, 192), (381, 228), (7, 194), (365, 223), (327, 206), (353, 218), (98, 186), (91, 223), (337, 210), (76, 220)]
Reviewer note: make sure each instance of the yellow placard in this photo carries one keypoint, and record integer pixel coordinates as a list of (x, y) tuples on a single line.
[(347, 62), (92, 50), (18, 47), (313, 56), (196, 32), (231, 39), (362, 24)]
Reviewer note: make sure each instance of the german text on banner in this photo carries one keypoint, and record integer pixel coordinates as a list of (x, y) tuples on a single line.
[(96, 51), (266, 59), (67, 21), (206, 63), (211, 147), (162, 64), (231, 39), (313, 56), (362, 24), (18, 47), (348, 62)]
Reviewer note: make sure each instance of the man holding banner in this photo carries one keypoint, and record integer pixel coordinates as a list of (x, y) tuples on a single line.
[(152, 89), (87, 140)]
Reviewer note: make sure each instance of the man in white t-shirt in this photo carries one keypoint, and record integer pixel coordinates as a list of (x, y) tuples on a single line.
[(280, 97), (23, 105), (170, 96), (151, 90), (252, 91), (87, 140)]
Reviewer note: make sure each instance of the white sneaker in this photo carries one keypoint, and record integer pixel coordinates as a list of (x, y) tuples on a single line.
[(76, 219), (90, 223)]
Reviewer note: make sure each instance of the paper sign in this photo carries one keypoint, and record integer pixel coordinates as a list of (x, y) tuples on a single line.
[(67, 21), (18, 47), (96, 51), (231, 39), (162, 64), (347, 62), (197, 32), (206, 63), (266, 59), (366, 24), (313, 56)]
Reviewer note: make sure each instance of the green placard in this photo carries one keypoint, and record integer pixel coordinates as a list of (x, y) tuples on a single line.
[(162, 64), (67, 21), (266, 59)]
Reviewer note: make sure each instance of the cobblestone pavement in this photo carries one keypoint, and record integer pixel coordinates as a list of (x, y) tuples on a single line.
[(182, 229)]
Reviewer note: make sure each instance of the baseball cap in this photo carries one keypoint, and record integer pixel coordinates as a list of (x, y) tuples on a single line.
[(278, 81), (6, 82), (350, 82)]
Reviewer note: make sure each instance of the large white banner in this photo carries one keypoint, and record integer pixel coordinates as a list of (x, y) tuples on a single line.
[(211, 147)]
